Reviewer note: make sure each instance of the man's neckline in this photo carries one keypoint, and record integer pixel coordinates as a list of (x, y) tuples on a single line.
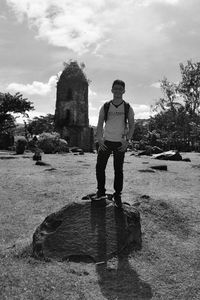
[(117, 105)]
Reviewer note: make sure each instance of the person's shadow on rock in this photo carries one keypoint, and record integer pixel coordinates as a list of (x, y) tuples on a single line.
[(98, 224), (123, 282)]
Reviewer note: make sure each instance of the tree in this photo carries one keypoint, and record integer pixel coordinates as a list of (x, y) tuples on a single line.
[(168, 109), (178, 111), (171, 100), (10, 105), (141, 130), (41, 124), (189, 87)]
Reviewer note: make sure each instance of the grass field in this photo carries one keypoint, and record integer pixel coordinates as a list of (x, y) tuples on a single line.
[(167, 266)]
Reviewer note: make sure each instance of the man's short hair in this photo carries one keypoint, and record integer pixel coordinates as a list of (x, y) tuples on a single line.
[(120, 82)]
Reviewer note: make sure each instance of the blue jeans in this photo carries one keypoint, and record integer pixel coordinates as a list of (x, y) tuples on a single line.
[(118, 160)]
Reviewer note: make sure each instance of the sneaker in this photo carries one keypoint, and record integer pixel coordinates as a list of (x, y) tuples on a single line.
[(118, 201), (100, 196)]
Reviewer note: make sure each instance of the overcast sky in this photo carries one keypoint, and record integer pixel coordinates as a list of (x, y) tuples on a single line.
[(138, 41)]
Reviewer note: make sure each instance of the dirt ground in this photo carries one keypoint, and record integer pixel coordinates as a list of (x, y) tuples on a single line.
[(167, 266)]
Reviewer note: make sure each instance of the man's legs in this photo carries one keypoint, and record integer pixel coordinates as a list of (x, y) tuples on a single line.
[(102, 159), (118, 169)]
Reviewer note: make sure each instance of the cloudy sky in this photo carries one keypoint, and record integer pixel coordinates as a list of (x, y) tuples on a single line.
[(138, 41)]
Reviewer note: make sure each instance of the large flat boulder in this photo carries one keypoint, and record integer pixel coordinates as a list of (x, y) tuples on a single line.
[(87, 229)]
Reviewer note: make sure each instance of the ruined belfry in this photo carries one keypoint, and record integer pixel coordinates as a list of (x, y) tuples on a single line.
[(71, 114)]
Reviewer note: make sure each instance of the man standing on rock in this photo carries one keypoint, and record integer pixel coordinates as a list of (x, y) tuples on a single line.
[(118, 117)]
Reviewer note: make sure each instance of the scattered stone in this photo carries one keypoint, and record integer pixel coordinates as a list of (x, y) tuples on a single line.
[(51, 169), (169, 155), (76, 150), (145, 196), (8, 157), (87, 229), (41, 163), (147, 171), (156, 150), (135, 153), (150, 150), (144, 152), (86, 165), (159, 167), (186, 159), (37, 155)]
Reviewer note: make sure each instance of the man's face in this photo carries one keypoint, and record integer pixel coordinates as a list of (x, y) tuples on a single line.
[(118, 90)]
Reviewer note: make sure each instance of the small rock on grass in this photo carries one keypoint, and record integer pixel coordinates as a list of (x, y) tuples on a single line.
[(159, 167)]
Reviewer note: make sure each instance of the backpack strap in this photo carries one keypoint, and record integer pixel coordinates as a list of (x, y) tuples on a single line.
[(106, 108), (126, 110)]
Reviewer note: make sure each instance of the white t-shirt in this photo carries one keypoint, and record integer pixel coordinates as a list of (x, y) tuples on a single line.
[(115, 128)]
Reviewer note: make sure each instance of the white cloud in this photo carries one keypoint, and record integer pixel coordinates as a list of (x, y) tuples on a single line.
[(142, 111), (156, 85), (2, 17), (32, 114), (88, 25), (76, 25), (91, 93), (93, 111), (167, 25), (35, 88), (149, 2), (93, 119)]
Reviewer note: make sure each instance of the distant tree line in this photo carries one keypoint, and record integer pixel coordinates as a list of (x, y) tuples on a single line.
[(176, 120)]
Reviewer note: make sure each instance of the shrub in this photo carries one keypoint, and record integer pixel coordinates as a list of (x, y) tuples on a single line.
[(62, 146), (32, 144), (20, 144), (51, 143), (6, 140)]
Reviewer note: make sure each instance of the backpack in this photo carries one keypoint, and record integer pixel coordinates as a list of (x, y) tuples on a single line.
[(126, 110)]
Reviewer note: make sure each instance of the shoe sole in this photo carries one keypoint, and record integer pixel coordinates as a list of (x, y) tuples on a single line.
[(118, 205), (100, 198)]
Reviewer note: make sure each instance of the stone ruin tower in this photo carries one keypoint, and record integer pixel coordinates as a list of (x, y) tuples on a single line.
[(71, 114)]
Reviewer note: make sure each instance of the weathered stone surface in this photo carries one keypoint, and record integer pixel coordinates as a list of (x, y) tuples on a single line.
[(87, 229)]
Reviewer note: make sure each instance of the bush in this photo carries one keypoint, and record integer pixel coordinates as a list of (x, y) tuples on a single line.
[(51, 143), (62, 146), (6, 140), (20, 144), (33, 144)]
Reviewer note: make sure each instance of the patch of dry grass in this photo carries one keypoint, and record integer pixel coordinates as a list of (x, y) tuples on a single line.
[(167, 266)]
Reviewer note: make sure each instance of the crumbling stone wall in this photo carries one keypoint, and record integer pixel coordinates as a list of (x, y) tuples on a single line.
[(71, 115)]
